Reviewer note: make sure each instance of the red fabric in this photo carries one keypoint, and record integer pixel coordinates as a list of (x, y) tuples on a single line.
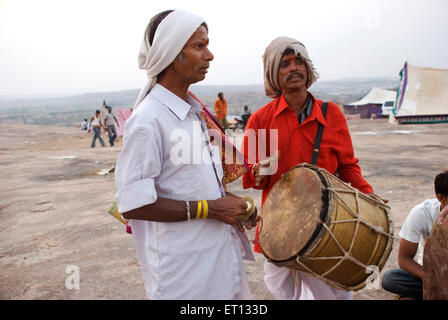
[(232, 169), (122, 116), (296, 144)]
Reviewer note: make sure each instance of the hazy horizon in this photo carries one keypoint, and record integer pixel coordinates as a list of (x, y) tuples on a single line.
[(199, 84)]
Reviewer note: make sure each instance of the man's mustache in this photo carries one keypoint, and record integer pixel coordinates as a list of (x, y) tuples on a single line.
[(295, 74)]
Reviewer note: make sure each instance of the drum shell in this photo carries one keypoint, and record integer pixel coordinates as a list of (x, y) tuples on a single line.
[(360, 242)]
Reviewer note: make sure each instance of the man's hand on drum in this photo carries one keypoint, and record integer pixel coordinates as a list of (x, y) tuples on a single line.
[(265, 168), (248, 225), (254, 223), (228, 210)]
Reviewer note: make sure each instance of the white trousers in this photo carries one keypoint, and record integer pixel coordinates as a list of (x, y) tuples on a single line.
[(280, 281)]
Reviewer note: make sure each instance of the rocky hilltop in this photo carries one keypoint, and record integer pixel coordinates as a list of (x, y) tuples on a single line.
[(53, 207)]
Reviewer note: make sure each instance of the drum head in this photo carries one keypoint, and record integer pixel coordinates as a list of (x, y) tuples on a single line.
[(292, 214)]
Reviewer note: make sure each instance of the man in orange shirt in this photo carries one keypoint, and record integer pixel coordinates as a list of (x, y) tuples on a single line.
[(286, 129), (221, 110)]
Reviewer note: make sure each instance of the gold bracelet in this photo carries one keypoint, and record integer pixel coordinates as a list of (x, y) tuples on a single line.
[(198, 214), (205, 204)]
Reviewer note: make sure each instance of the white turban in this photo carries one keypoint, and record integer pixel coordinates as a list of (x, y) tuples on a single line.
[(171, 35), (271, 61)]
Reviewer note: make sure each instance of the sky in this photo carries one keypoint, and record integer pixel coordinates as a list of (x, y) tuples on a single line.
[(77, 46)]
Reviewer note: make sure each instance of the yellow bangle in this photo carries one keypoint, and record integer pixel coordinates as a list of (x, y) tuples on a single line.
[(198, 214), (205, 209)]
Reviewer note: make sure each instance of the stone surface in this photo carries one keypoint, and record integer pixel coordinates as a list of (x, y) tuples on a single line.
[(53, 207)]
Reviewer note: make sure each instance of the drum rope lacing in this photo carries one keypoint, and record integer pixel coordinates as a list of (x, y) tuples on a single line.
[(346, 254)]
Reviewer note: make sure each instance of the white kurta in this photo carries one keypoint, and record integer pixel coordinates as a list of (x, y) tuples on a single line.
[(162, 157)]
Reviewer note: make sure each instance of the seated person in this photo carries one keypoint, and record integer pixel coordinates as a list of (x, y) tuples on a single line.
[(407, 281), (245, 115), (84, 125)]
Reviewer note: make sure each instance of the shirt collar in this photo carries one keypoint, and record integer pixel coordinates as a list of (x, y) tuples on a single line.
[(307, 110), (316, 114), (177, 105), (313, 110), (282, 105)]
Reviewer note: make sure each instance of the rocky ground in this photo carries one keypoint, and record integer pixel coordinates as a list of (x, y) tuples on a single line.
[(53, 207)]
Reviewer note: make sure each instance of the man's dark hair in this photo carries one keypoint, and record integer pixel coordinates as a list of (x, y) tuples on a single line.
[(154, 23), (288, 51), (97, 111), (441, 183), (220, 94)]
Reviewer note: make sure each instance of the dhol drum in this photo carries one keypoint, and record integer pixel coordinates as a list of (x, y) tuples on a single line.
[(317, 224)]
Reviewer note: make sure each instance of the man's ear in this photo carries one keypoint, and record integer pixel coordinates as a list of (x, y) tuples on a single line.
[(443, 199)]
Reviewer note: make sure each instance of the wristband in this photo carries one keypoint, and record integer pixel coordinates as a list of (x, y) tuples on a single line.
[(198, 214), (187, 206), (205, 205)]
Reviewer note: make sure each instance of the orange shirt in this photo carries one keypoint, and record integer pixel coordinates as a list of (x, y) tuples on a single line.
[(220, 108), (296, 144)]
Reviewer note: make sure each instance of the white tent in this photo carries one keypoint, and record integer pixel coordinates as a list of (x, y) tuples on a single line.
[(376, 96), (377, 101), (422, 95)]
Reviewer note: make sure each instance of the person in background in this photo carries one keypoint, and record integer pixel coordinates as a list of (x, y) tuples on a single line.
[(221, 110), (84, 125), (245, 115), (95, 124), (407, 281), (109, 125)]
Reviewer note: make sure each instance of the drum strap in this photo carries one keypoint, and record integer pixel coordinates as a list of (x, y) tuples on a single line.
[(318, 139)]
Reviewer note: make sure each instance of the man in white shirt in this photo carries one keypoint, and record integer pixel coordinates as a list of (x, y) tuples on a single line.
[(407, 281), (186, 228), (109, 124), (95, 124)]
